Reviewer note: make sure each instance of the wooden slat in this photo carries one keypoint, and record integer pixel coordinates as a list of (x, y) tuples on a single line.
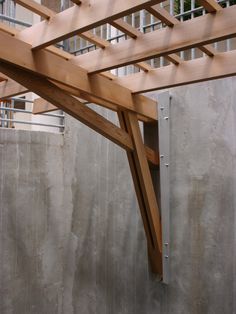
[(69, 104), (79, 19), (125, 28), (162, 15), (88, 35), (182, 36), (193, 71), (170, 21), (174, 58), (211, 6), (36, 8), (96, 40), (134, 33), (57, 69), (15, 32), (144, 66)]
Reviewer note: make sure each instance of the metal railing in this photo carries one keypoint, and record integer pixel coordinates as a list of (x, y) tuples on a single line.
[(10, 116)]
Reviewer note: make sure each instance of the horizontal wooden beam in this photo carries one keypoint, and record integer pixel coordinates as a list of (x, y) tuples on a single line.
[(53, 94), (210, 5), (210, 28), (170, 21), (79, 19), (9, 88), (12, 88), (63, 71), (193, 71), (88, 35)]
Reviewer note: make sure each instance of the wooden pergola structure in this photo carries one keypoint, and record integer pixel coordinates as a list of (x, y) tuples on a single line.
[(29, 61)]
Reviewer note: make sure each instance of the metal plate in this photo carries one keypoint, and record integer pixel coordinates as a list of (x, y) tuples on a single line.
[(164, 150)]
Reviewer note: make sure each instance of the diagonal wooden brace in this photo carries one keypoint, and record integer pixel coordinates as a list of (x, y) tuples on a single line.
[(144, 190)]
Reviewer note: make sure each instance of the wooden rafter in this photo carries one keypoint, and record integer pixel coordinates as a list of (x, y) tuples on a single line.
[(134, 33), (170, 21), (211, 28), (11, 88), (79, 19), (210, 5), (69, 104), (87, 35), (193, 71)]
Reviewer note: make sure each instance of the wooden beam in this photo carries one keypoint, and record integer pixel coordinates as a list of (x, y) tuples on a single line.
[(42, 106), (188, 72), (69, 104), (145, 180), (66, 72), (162, 15), (36, 8), (211, 6), (134, 33), (94, 39), (79, 19), (166, 18), (78, 2), (210, 28), (126, 28), (144, 190), (88, 35), (10, 88)]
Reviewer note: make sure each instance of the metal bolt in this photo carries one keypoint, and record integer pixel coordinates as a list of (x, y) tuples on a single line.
[(166, 118), (166, 244), (161, 156), (162, 108), (166, 256), (167, 165)]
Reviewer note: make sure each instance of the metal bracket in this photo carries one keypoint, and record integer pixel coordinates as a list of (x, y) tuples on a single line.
[(164, 151)]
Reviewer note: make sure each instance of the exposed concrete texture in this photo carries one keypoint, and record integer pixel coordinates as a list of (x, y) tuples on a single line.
[(71, 237)]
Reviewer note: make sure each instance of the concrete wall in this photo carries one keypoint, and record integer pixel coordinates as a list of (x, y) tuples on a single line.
[(71, 238)]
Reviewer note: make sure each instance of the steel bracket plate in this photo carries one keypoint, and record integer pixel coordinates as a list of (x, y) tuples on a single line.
[(164, 151)]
